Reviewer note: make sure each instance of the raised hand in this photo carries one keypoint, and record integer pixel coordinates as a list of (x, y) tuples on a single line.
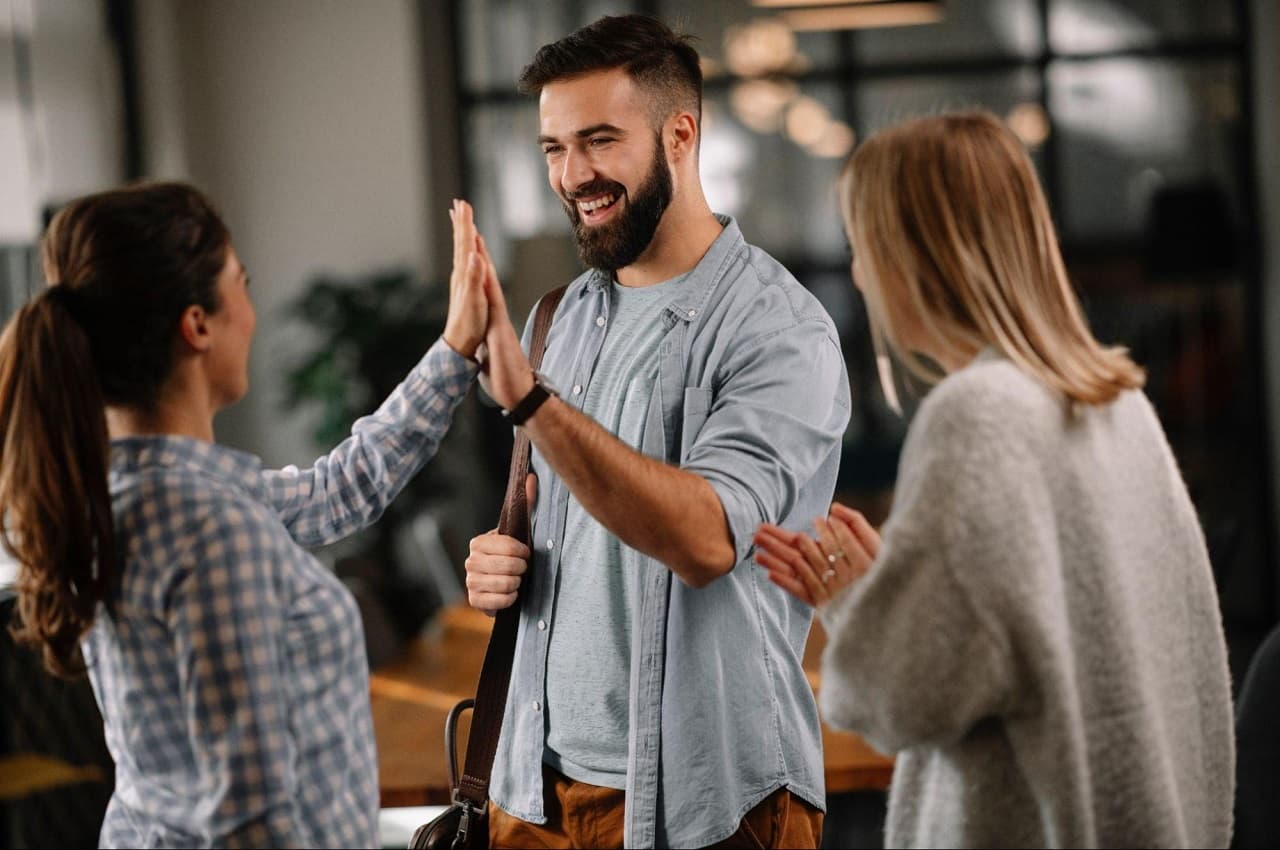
[(815, 570), (510, 377), (468, 316)]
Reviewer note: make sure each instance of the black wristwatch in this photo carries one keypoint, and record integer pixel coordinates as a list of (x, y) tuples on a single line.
[(542, 390)]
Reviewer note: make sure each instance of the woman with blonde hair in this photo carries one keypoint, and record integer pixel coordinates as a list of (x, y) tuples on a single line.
[(1036, 633)]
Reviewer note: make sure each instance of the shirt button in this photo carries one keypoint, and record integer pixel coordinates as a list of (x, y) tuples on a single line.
[(692, 313), (542, 625), (577, 389), (600, 321), (537, 706), (551, 544)]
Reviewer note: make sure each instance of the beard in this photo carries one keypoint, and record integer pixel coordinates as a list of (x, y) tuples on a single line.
[(620, 242)]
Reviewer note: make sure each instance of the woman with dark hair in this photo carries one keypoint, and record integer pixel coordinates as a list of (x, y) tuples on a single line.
[(228, 663), (1036, 632)]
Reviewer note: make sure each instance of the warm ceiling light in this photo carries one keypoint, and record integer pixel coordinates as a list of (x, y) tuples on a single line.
[(807, 121), (863, 16), (1030, 123), (784, 3), (836, 142), (759, 103), (761, 46)]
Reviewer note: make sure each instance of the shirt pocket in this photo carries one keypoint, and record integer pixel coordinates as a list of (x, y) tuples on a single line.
[(697, 405)]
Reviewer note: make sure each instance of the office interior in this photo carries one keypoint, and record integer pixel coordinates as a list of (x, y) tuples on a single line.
[(332, 135)]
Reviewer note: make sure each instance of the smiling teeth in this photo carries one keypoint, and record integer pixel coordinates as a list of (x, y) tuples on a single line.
[(588, 206)]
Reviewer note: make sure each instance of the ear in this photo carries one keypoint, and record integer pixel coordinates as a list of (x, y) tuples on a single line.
[(193, 329), (682, 136)]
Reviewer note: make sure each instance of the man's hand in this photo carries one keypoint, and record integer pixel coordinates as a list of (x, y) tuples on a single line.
[(509, 376), (496, 565), (468, 317)]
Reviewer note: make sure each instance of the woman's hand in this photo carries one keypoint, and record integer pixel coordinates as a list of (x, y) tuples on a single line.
[(468, 317), (815, 570)]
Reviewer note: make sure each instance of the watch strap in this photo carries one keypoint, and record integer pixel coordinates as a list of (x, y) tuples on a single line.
[(529, 405)]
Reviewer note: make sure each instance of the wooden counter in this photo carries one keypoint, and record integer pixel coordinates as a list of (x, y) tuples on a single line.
[(412, 695)]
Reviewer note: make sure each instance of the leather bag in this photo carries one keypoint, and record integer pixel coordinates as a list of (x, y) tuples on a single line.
[(465, 824)]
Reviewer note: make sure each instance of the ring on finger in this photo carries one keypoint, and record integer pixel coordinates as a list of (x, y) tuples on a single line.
[(827, 576), (834, 556)]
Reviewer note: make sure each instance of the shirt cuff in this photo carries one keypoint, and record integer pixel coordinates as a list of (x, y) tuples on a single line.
[(443, 370), (740, 517)]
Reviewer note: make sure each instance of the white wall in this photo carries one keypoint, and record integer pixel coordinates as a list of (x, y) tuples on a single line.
[(1265, 29), (303, 121), (70, 141)]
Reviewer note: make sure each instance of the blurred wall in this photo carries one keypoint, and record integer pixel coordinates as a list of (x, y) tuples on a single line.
[(60, 116), (1265, 27), (304, 121)]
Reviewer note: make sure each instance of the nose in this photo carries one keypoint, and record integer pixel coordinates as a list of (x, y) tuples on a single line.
[(577, 172)]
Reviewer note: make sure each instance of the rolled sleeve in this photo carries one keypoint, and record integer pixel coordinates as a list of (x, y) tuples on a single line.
[(778, 414)]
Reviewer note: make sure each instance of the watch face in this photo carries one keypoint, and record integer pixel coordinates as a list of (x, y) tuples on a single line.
[(546, 383)]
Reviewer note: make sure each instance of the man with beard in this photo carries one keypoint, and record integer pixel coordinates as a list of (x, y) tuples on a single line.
[(703, 393)]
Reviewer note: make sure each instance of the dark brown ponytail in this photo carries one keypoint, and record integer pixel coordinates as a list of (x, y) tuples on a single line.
[(125, 265), (53, 479)]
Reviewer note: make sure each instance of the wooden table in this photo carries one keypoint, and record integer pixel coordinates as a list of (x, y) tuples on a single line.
[(412, 695)]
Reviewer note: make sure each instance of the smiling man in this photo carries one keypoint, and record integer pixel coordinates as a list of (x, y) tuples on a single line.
[(657, 696)]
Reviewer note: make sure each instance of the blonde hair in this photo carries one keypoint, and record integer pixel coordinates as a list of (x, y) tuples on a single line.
[(952, 231)]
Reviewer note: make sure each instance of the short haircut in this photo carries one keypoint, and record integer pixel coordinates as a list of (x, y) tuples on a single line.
[(658, 59)]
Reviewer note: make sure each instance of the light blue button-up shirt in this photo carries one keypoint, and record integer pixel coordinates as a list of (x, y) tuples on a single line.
[(752, 394)]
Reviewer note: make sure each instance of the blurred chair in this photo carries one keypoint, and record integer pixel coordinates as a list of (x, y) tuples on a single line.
[(1258, 749), (40, 713)]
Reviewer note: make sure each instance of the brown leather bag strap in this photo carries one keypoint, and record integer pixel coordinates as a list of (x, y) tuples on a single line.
[(495, 675)]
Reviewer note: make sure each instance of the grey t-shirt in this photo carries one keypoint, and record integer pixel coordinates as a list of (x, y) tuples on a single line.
[(589, 654)]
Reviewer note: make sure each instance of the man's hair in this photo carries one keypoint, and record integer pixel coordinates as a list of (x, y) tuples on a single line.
[(658, 59)]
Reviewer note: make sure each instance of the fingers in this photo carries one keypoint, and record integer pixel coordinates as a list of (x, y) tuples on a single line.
[(793, 587), (491, 603), (816, 572), (500, 545), (782, 574), (838, 557), (861, 528), (773, 533), (464, 234), (531, 492), (792, 563), (492, 287), (494, 571)]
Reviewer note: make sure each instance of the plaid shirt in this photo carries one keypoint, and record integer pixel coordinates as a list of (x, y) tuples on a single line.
[(230, 665)]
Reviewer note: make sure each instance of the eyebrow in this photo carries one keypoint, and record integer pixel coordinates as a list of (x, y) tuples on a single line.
[(588, 131)]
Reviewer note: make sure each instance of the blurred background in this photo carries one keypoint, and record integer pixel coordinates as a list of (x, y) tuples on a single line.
[(332, 134)]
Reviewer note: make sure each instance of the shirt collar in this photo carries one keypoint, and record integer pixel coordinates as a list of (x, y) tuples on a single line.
[(690, 297), (134, 454)]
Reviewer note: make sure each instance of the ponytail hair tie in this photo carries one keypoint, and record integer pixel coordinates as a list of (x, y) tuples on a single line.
[(67, 298)]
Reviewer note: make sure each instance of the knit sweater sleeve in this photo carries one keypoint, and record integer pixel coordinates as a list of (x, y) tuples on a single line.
[(919, 650)]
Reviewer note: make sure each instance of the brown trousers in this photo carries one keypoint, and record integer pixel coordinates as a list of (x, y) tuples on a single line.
[(582, 815)]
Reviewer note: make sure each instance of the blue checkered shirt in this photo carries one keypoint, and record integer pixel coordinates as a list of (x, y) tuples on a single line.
[(230, 665)]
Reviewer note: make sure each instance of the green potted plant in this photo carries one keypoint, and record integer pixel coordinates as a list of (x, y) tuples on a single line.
[(367, 332)]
